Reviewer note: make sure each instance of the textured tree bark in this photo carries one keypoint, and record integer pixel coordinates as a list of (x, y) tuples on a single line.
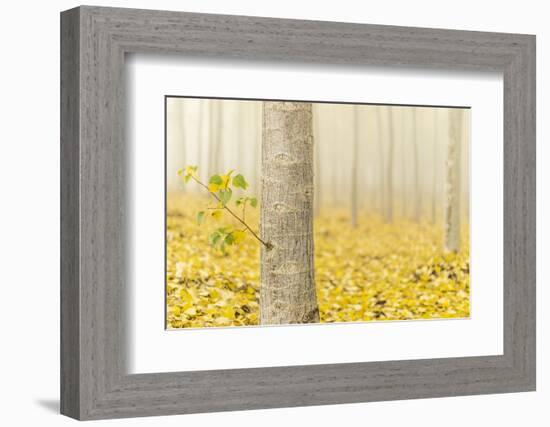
[(287, 291), (317, 163), (452, 182)]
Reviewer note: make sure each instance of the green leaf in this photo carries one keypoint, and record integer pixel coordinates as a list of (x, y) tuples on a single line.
[(225, 196), (240, 182), (200, 217), (229, 239), (253, 202), (214, 238), (186, 178), (240, 201), (215, 179)]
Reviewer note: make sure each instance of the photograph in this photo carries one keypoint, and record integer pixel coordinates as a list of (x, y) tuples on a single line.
[(295, 212)]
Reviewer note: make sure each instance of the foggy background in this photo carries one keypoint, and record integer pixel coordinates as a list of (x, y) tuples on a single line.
[(218, 135)]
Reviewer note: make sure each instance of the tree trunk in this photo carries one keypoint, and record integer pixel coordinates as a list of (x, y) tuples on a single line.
[(287, 291), (317, 164), (452, 182), (434, 166), (335, 147), (215, 133), (242, 132), (258, 108), (417, 190), (354, 156), (200, 136), (465, 168), (389, 170), (382, 183), (176, 142), (403, 145)]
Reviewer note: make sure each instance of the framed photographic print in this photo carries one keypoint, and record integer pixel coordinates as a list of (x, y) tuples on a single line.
[(262, 213), (368, 232)]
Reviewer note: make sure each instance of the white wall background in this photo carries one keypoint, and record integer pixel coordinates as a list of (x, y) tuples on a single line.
[(29, 216)]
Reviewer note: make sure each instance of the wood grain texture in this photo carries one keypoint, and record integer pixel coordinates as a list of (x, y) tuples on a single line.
[(70, 259), (94, 269)]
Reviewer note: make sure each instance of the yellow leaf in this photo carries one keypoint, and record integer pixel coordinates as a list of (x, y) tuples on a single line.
[(213, 187), (185, 296), (375, 272), (217, 214), (238, 236), (191, 311), (225, 181), (228, 312)]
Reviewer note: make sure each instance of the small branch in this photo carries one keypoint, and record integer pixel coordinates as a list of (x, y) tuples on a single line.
[(268, 245)]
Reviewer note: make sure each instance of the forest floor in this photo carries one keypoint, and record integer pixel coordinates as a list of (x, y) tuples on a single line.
[(377, 271)]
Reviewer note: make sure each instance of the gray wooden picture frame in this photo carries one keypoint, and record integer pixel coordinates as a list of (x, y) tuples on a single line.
[(94, 41)]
